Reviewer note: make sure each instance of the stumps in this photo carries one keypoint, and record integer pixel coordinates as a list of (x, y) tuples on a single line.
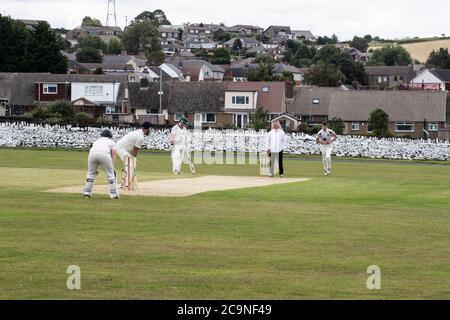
[(129, 179), (264, 163)]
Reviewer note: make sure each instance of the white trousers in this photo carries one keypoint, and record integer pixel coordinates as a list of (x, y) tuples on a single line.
[(94, 161), (326, 150), (178, 153)]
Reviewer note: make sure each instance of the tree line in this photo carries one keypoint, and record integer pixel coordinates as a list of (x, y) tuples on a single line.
[(23, 50)]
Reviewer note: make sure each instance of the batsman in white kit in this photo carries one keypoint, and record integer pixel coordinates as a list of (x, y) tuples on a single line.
[(128, 149), (325, 138), (102, 153)]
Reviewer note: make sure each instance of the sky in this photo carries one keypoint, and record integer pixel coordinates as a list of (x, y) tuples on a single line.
[(346, 18)]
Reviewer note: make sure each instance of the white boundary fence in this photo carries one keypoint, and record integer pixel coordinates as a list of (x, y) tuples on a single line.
[(46, 136)]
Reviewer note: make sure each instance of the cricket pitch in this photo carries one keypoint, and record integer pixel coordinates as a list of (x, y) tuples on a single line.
[(187, 186)]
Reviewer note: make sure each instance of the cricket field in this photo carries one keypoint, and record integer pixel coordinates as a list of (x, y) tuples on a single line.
[(313, 239)]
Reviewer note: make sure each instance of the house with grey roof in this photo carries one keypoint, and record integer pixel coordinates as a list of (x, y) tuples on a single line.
[(198, 101), (284, 32), (410, 112), (303, 34), (106, 33), (247, 43), (388, 77), (434, 79), (23, 91), (206, 70), (201, 42)]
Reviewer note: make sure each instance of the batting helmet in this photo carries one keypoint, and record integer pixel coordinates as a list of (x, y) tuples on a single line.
[(107, 133)]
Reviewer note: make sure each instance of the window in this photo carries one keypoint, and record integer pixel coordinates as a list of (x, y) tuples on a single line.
[(404, 127), (385, 79), (240, 100), (433, 127), (163, 34), (50, 88), (402, 78), (395, 78), (205, 117), (265, 89), (93, 90), (4, 102), (380, 79), (152, 111), (178, 116), (355, 126), (315, 100), (210, 117)]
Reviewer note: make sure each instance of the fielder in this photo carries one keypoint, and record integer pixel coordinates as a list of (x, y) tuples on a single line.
[(131, 143), (102, 153), (179, 138), (325, 138)]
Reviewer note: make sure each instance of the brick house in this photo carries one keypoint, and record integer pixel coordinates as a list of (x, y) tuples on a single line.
[(243, 98), (388, 77), (410, 112)]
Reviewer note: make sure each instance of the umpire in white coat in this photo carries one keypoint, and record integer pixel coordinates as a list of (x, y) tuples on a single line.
[(276, 142), (102, 153)]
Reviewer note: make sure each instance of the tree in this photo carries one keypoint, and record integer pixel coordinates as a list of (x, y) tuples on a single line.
[(325, 40), (141, 36), (83, 119), (44, 53), (221, 56), (156, 18), (325, 75), (259, 119), (155, 58), (299, 54), (89, 55), (379, 122), (359, 43), (115, 46), (353, 71), (94, 42), (390, 55), (237, 45), (13, 43), (64, 109), (338, 126), (368, 38), (91, 22), (439, 59)]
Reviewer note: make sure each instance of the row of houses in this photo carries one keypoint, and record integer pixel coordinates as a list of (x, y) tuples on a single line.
[(226, 104)]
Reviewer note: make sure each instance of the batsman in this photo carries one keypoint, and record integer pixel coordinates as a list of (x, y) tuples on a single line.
[(102, 153), (130, 145)]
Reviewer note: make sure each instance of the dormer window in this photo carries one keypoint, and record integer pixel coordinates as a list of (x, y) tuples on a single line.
[(50, 88)]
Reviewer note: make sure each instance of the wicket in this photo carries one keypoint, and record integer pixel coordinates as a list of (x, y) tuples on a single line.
[(264, 163), (129, 179)]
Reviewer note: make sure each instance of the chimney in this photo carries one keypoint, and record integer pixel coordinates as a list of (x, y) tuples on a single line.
[(289, 89)]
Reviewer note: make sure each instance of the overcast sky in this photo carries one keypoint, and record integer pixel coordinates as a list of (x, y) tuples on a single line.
[(346, 18)]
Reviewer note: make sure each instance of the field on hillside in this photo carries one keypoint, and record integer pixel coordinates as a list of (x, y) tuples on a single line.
[(306, 240), (421, 50)]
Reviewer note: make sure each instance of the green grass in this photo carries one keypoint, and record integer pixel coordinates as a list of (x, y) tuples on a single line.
[(310, 240)]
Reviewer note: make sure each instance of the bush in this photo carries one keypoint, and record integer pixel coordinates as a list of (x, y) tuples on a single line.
[(64, 109), (83, 119), (338, 126), (304, 128)]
